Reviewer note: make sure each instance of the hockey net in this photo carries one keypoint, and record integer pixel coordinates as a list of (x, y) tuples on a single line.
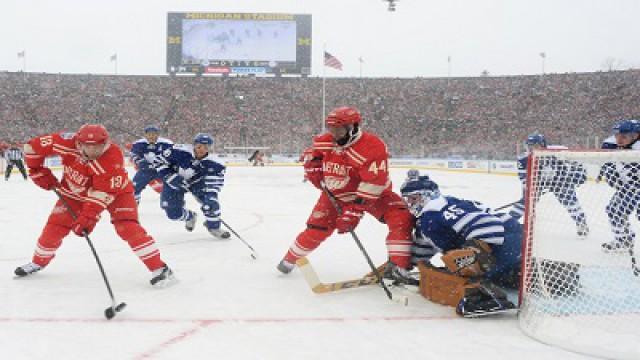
[(576, 293)]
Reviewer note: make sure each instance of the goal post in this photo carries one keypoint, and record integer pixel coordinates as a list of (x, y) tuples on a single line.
[(577, 292)]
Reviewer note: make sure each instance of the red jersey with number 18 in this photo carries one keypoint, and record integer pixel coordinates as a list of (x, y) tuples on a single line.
[(97, 181)]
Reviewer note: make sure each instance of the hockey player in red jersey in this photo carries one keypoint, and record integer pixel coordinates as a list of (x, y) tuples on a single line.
[(94, 179), (353, 164)]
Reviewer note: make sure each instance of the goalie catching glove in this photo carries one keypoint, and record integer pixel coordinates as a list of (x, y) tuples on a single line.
[(474, 259)]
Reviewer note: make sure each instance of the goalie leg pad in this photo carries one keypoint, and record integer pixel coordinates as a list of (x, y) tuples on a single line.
[(441, 286)]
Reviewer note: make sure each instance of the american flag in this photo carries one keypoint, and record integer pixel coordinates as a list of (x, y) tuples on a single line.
[(332, 61)]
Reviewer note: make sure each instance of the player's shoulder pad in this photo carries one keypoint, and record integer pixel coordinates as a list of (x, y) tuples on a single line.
[(212, 164), (165, 141), (370, 143), (436, 205), (112, 158), (141, 141), (523, 157)]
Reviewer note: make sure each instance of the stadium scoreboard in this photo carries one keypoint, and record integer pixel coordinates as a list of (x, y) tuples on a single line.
[(238, 43)]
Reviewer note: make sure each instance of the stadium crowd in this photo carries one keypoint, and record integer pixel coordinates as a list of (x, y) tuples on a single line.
[(484, 117)]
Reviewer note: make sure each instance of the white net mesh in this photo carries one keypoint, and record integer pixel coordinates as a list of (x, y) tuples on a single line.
[(579, 289)]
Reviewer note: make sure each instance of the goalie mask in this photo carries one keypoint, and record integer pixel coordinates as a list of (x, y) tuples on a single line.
[(418, 192)]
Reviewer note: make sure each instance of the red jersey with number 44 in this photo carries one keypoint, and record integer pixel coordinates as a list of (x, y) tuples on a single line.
[(97, 181), (359, 169)]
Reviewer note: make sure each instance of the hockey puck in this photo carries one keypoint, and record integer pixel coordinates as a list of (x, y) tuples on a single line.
[(109, 313)]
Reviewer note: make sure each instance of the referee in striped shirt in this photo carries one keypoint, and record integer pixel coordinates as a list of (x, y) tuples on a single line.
[(14, 157)]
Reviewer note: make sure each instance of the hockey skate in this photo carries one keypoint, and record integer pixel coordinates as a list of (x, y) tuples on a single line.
[(27, 269), (162, 277), (285, 267), (485, 300), (219, 233), (399, 276), (191, 223)]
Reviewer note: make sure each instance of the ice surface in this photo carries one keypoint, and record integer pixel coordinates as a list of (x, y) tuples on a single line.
[(226, 305)]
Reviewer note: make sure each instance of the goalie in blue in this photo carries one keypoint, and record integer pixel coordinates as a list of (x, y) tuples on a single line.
[(559, 177), (480, 249), (192, 170)]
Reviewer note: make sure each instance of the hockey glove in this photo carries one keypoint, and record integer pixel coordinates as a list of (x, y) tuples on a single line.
[(175, 182), (313, 171), (350, 217), (43, 177), (86, 221), (473, 259)]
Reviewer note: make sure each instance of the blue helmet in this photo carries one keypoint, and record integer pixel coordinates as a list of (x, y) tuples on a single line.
[(418, 192), (413, 174), (627, 127), (203, 138), (536, 139), (151, 128)]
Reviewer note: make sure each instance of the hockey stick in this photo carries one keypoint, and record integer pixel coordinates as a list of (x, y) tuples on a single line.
[(254, 255), (319, 287), (335, 204), (111, 311), (506, 206)]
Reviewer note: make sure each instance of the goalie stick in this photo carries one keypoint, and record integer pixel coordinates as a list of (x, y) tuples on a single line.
[(318, 287)]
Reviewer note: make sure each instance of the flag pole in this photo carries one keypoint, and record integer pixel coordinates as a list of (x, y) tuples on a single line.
[(324, 51)]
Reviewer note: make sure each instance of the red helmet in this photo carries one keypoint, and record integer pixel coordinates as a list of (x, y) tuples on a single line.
[(344, 115), (92, 134)]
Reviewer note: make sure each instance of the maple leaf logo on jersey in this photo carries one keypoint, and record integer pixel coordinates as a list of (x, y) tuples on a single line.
[(186, 173)]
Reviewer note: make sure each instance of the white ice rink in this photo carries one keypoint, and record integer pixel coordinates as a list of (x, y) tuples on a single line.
[(226, 305)]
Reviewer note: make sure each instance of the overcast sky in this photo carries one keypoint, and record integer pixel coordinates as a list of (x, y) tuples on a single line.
[(504, 37)]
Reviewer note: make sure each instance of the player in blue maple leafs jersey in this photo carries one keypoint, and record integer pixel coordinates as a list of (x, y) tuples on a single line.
[(624, 178), (559, 177), (192, 170), (143, 155), (476, 244)]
